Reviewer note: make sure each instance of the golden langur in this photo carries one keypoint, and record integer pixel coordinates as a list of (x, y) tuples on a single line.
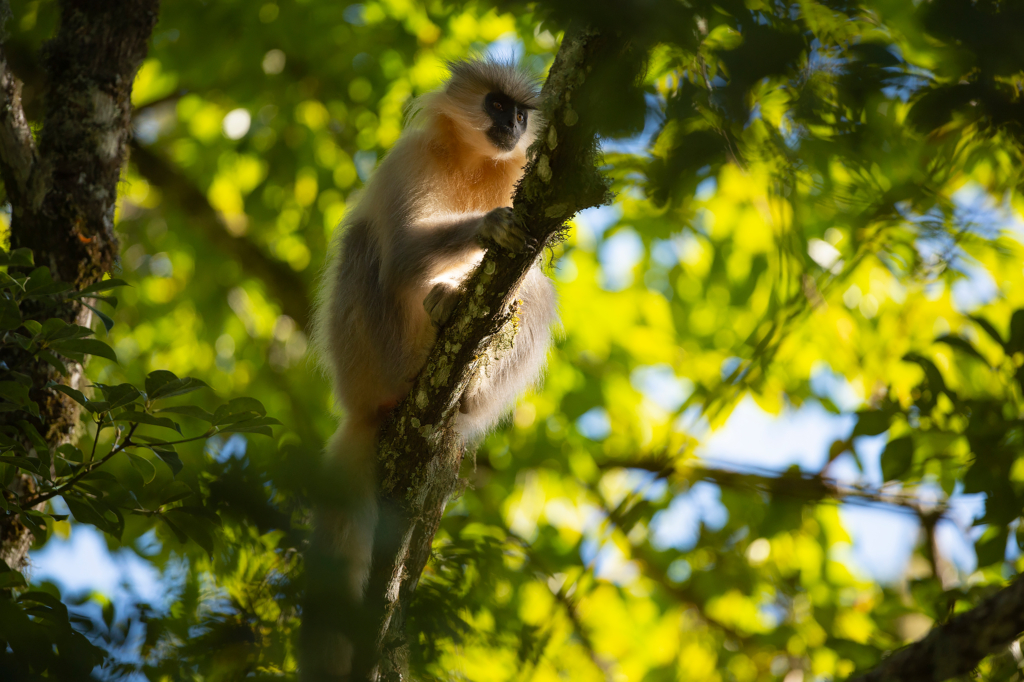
[(439, 198)]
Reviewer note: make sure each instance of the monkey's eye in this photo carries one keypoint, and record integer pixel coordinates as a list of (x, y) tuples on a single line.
[(520, 118), (497, 105)]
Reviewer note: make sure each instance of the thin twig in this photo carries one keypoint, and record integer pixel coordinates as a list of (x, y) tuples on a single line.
[(85, 471)]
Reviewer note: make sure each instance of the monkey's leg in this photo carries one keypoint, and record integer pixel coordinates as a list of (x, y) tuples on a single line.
[(338, 561)]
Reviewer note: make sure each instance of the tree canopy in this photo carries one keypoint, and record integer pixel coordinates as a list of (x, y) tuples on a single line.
[(812, 203)]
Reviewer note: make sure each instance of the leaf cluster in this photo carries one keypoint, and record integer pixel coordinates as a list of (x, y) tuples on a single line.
[(129, 469)]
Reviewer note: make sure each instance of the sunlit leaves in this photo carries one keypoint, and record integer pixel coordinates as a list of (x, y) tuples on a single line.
[(799, 214)]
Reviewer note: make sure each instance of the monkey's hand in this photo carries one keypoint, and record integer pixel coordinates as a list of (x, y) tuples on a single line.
[(499, 226), (440, 302)]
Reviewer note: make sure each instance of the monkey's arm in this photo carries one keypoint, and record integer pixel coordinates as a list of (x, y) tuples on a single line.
[(417, 251)]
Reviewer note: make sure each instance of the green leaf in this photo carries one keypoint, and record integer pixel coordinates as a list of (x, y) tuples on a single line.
[(100, 475), (237, 410), (87, 346), (29, 465), (189, 411), (108, 323), (144, 418), (991, 546), (23, 341), (897, 458), (143, 466), (934, 377), (53, 360), (246, 405), (55, 330), (85, 511), (9, 579), (157, 379), (30, 432), (23, 379), (21, 258), (102, 285), (46, 599), (120, 395), (200, 511), (871, 423), (52, 326), (72, 393), (170, 457), (1015, 344), (961, 344), (41, 283), (70, 453), (182, 538), (33, 327), (195, 529), (8, 282), (987, 327), (109, 300), (10, 316), (174, 491), (164, 384), (35, 522), (15, 392), (37, 290), (259, 425)]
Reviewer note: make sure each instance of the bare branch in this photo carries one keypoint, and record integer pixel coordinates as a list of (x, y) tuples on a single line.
[(795, 484), (957, 646)]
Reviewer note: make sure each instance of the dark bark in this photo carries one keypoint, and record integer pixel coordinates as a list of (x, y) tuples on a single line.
[(420, 455), (957, 646), (63, 186), (284, 285)]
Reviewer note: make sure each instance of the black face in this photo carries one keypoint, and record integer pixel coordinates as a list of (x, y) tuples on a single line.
[(508, 120)]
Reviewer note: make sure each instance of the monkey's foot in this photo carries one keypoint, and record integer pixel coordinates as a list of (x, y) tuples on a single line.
[(440, 302), (499, 226)]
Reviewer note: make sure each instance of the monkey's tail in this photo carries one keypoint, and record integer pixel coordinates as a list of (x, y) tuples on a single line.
[(338, 561), (345, 525)]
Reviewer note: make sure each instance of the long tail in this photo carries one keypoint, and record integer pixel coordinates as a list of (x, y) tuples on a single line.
[(339, 557), (345, 525)]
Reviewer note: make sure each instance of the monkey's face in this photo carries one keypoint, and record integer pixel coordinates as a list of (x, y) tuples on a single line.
[(508, 120)]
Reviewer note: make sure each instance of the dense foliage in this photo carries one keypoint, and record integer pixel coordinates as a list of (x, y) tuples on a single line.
[(814, 200), (88, 478)]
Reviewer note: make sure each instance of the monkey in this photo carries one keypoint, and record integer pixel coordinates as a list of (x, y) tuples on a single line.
[(439, 198)]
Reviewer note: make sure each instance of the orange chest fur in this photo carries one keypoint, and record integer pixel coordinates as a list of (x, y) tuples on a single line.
[(467, 182)]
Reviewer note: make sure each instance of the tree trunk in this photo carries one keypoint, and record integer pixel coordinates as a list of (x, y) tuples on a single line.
[(63, 187)]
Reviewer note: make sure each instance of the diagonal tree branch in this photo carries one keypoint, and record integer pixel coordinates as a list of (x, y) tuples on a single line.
[(419, 453), (957, 646), (286, 287)]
